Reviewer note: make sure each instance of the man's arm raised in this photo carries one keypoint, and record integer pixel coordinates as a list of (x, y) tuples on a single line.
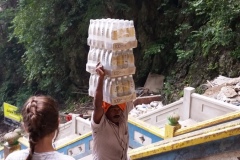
[(98, 97)]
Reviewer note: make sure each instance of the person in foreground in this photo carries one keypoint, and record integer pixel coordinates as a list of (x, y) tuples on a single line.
[(109, 126), (41, 121)]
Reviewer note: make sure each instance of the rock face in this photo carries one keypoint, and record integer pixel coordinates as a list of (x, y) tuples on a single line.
[(225, 89), (229, 91)]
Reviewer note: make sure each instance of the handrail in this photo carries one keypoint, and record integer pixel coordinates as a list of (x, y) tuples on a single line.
[(190, 139), (25, 142), (146, 126), (78, 138), (208, 123), (214, 101)]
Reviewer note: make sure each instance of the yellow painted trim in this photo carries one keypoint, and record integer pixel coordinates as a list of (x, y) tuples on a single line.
[(207, 123), (74, 140), (147, 127), (23, 141), (188, 140)]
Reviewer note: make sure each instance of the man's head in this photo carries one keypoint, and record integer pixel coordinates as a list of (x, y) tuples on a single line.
[(114, 112)]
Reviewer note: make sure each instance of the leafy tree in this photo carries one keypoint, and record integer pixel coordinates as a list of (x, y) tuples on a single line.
[(54, 34), (216, 28), (11, 69)]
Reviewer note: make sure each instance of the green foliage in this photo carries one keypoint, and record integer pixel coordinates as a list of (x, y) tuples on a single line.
[(45, 47), (85, 99), (121, 7), (167, 90), (49, 30), (236, 53), (212, 66), (217, 21), (11, 67), (51, 36), (153, 49)]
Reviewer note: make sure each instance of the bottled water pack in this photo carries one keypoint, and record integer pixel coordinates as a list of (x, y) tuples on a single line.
[(115, 63), (111, 43), (112, 34), (115, 90)]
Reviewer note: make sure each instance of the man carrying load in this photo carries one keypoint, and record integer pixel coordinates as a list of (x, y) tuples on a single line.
[(109, 125)]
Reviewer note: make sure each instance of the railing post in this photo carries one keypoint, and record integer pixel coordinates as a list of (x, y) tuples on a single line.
[(172, 125), (186, 108), (74, 123), (11, 143)]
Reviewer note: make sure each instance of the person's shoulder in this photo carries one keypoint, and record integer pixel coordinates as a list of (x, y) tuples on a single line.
[(63, 156), (66, 157), (21, 154)]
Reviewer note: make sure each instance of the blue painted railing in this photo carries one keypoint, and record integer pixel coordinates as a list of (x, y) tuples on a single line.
[(1, 153), (133, 129), (85, 142)]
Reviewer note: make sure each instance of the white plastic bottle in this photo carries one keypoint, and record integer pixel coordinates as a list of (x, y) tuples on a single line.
[(125, 58), (119, 87), (99, 24), (102, 57), (126, 87), (106, 92), (107, 33), (106, 59), (113, 60), (120, 31), (113, 32), (103, 33), (94, 56), (97, 29), (98, 53), (90, 33), (90, 55), (89, 60), (113, 88), (131, 84), (127, 31), (132, 31), (131, 58), (94, 36), (90, 27), (119, 59), (100, 33)]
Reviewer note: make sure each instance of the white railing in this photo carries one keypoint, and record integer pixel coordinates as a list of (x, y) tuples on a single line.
[(82, 126), (191, 106), (65, 130), (158, 117), (204, 108)]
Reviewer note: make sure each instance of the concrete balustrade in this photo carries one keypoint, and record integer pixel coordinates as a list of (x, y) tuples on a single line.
[(192, 106)]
